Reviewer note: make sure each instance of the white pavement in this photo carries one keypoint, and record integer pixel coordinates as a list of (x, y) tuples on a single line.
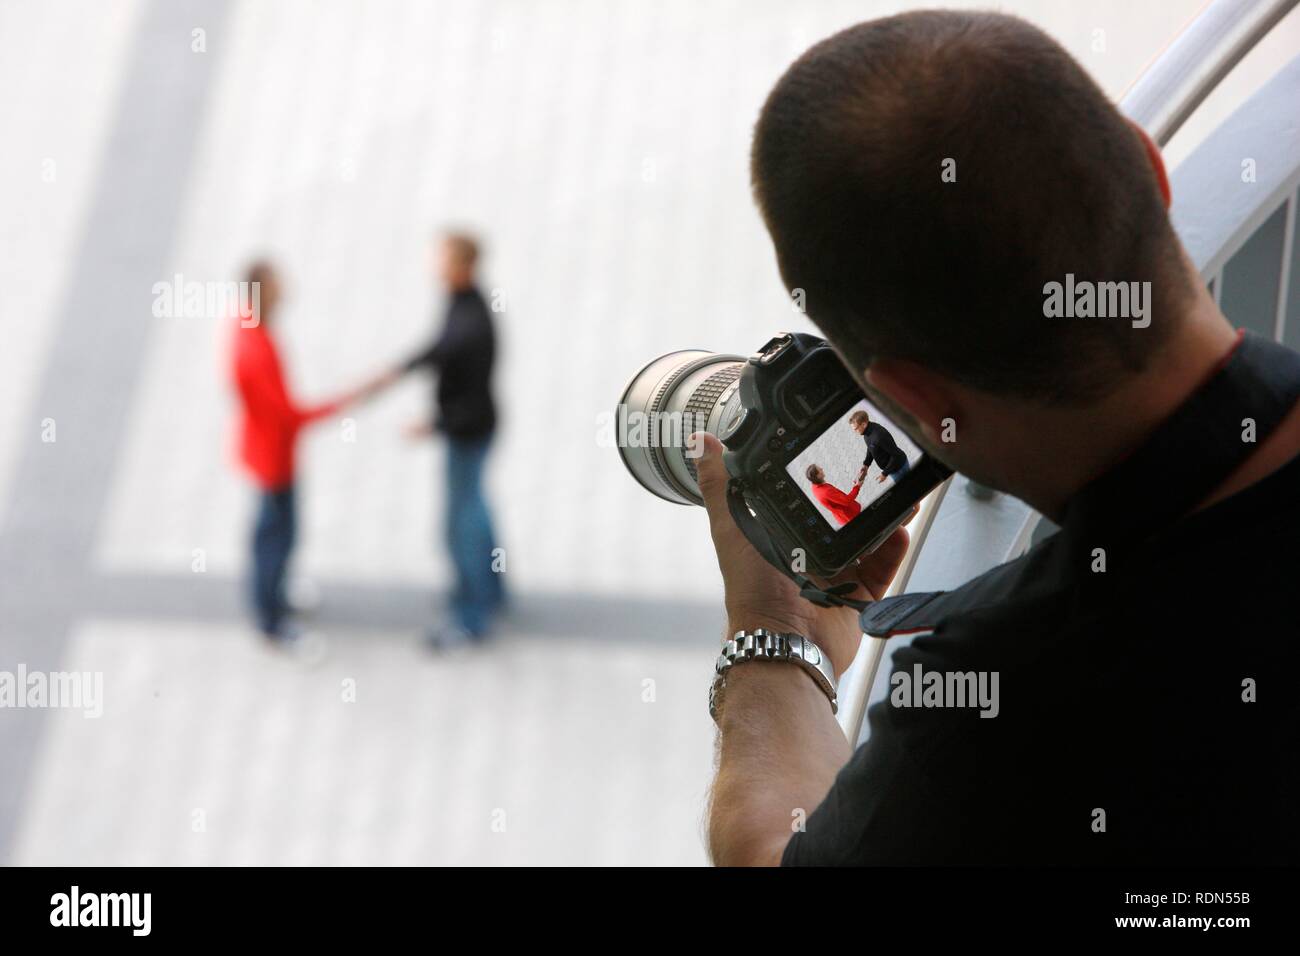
[(212, 750)]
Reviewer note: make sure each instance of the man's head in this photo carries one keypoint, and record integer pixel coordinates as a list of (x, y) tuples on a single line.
[(261, 275), (815, 474), (924, 176), (456, 255), (859, 421)]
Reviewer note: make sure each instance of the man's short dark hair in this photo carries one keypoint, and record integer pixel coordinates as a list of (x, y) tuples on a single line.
[(848, 161)]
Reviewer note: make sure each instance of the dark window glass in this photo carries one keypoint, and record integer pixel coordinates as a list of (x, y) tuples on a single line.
[(1251, 278)]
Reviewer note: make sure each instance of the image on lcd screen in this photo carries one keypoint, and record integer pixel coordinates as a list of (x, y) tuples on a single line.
[(855, 461)]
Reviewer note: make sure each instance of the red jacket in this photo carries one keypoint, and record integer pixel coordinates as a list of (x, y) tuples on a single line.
[(842, 506), (269, 419)]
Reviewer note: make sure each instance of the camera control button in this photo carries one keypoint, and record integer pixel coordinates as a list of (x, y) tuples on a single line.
[(737, 423), (784, 492)]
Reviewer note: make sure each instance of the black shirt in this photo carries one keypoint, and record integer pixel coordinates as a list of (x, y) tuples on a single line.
[(463, 354), (882, 447), (1120, 692)]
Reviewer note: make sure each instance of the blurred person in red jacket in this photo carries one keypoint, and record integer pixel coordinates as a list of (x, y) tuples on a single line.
[(270, 421)]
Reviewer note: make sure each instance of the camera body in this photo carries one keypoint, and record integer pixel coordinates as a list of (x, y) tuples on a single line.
[(792, 392)]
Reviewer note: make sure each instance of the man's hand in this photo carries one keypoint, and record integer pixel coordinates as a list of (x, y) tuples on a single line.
[(418, 430), (368, 389), (881, 477), (757, 595), (378, 383), (779, 746), (862, 473)]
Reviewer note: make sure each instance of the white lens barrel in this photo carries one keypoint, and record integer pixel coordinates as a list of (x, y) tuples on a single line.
[(669, 399)]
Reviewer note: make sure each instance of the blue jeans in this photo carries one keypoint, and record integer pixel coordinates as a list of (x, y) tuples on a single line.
[(898, 473), (273, 538), (470, 538)]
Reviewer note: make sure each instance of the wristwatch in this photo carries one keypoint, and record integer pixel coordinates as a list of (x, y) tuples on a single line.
[(764, 645)]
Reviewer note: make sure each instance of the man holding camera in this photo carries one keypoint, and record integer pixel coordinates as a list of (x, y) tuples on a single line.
[(923, 177)]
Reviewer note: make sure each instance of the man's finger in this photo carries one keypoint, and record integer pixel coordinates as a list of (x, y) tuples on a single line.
[(712, 473), (877, 570)]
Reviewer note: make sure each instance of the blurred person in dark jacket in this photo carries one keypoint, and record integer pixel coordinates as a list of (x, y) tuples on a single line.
[(462, 355)]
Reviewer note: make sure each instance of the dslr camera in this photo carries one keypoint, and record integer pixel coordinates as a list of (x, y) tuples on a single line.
[(820, 476)]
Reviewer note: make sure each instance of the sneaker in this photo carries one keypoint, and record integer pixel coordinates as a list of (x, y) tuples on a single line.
[(448, 639), (302, 595), (304, 647)]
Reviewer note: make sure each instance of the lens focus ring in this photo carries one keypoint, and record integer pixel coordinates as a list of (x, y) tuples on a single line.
[(656, 406), (705, 398)]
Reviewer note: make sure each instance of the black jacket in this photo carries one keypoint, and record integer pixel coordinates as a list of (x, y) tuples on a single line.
[(882, 447), (462, 355)]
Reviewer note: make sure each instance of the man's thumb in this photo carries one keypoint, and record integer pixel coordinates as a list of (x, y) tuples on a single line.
[(712, 472)]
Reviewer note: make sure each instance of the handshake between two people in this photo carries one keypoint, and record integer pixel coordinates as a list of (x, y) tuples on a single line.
[(368, 389), (862, 476), (374, 386)]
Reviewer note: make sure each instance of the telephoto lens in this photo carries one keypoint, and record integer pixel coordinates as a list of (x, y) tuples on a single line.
[(665, 403)]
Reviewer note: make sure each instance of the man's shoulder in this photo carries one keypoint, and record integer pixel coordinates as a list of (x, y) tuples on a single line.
[(472, 315), (477, 303)]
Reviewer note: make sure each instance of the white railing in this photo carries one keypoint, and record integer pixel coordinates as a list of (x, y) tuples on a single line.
[(1196, 61)]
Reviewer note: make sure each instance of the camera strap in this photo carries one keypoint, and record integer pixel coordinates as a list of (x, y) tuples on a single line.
[(1190, 454)]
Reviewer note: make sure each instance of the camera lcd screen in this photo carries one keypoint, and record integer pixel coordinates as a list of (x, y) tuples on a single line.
[(854, 463)]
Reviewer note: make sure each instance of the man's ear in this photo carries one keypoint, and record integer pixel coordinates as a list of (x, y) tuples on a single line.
[(919, 392), (1157, 162)]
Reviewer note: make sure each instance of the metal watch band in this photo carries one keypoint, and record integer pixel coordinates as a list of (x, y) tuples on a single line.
[(760, 644)]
